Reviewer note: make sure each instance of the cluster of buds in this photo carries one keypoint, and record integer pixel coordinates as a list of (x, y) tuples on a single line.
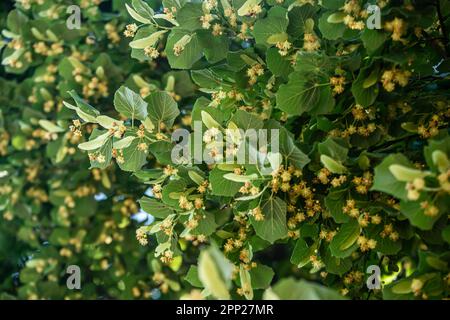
[(141, 236), (130, 30), (327, 235), (316, 262), (363, 130), (96, 88), (196, 239), (100, 158), (76, 128), (359, 113), (284, 47), (248, 188), (394, 76), (432, 129), (398, 28), (363, 184), (111, 33), (230, 14), (4, 141), (338, 181), (443, 179), (429, 210), (178, 49), (257, 214), (310, 42), (52, 50), (151, 52), (323, 175), (217, 30), (206, 20), (353, 277), (366, 244), (157, 191), (170, 12), (129, 207), (351, 209), (254, 72), (170, 171), (338, 84), (184, 203), (414, 188), (388, 231), (355, 15)]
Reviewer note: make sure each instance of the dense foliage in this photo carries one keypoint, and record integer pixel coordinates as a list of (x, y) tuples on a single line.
[(361, 177)]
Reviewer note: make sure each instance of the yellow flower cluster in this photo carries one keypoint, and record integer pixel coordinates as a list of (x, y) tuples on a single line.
[(111, 33), (398, 28), (388, 231), (366, 244), (355, 15), (430, 130), (363, 184), (310, 42), (394, 76), (429, 210), (284, 47), (338, 84), (52, 50), (130, 30), (254, 72)]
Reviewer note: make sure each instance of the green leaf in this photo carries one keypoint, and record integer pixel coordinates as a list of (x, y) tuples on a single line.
[(278, 65), (50, 126), (245, 120), (414, 211), (136, 16), (261, 276), (273, 227), (130, 104), (291, 289), (247, 6), (364, 95), (302, 94), (143, 9), (301, 253), (123, 143), (446, 234), (385, 181), (335, 148), (275, 24), (246, 284), (162, 108), (155, 208), (406, 174), (214, 271), (95, 143), (297, 19), (192, 277), (134, 158), (215, 48), (192, 51), (331, 31), (332, 165), (149, 41), (373, 39), (240, 178), (344, 242), (335, 201), (189, 16), (221, 186)]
